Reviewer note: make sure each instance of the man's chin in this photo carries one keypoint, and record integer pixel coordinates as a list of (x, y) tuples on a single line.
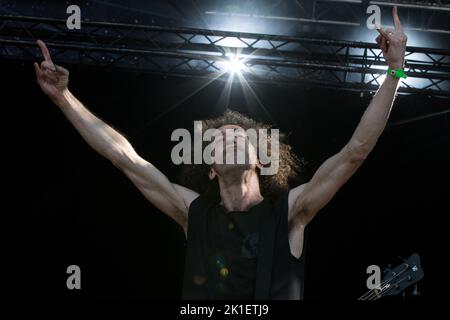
[(224, 169)]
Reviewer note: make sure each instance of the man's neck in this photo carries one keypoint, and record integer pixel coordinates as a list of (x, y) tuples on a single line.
[(240, 193)]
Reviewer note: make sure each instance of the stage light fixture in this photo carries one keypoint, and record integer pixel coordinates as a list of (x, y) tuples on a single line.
[(234, 65)]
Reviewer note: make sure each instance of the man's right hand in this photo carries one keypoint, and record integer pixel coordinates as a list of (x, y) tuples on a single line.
[(170, 198), (52, 79)]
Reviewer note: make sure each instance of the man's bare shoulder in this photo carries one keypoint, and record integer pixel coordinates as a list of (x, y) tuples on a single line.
[(187, 194), (294, 195)]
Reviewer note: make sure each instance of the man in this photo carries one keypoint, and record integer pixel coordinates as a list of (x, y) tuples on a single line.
[(243, 246)]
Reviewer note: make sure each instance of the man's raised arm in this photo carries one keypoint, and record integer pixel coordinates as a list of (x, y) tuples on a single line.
[(306, 200), (170, 198)]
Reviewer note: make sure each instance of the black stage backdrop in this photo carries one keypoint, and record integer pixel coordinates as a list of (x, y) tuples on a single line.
[(63, 204)]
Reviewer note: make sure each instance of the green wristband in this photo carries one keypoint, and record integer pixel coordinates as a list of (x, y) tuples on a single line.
[(397, 73)]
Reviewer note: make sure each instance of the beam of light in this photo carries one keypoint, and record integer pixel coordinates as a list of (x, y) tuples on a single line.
[(234, 65), (180, 102), (249, 93), (224, 99)]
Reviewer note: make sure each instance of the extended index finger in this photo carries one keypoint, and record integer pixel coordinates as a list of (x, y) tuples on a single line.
[(44, 50), (397, 23)]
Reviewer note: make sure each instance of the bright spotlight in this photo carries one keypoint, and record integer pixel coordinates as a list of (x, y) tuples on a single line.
[(234, 65)]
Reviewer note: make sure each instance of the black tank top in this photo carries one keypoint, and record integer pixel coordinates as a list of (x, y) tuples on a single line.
[(241, 255)]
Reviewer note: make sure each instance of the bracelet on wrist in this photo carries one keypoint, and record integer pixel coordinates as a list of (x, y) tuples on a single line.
[(397, 73)]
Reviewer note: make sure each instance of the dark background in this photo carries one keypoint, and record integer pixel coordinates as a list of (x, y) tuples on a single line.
[(63, 204)]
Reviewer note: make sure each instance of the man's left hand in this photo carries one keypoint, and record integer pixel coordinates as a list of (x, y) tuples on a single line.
[(393, 42)]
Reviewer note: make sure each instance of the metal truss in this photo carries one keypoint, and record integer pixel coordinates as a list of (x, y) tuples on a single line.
[(190, 52), (420, 15)]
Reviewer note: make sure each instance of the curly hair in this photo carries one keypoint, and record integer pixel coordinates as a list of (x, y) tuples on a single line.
[(195, 176)]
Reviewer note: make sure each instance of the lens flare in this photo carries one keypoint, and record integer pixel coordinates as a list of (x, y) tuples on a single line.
[(234, 65)]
